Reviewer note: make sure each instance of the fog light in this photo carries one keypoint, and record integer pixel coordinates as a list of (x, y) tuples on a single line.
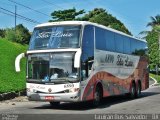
[(74, 90), (28, 90), (34, 90)]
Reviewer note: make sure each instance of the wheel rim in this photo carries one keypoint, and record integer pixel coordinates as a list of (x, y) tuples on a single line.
[(97, 98)]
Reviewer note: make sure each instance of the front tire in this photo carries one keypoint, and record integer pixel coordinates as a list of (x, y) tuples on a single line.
[(97, 97)]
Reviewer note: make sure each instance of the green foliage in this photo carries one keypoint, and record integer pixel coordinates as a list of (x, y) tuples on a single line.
[(152, 40), (10, 34), (157, 77), (157, 28), (9, 79), (64, 15), (154, 21), (2, 33), (98, 15), (91, 14), (20, 35)]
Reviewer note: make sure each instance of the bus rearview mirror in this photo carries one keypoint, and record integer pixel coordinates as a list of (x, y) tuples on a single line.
[(17, 61)]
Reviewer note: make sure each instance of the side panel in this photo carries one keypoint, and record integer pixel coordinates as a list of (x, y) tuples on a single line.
[(116, 72), (117, 69)]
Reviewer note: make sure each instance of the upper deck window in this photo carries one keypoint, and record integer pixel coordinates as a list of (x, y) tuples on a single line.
[(55, 37)]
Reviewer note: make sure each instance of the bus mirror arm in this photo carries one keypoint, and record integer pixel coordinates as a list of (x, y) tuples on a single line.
[(17, 61), (77, 59)]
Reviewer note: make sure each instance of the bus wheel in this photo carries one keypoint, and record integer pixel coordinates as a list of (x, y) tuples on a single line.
[(133, 91), (97, 97), (138, 93), (54, 104)]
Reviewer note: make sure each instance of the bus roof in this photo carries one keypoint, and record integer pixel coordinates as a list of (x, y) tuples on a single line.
[(86, 23)]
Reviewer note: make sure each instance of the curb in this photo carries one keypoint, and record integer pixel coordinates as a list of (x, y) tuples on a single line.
[(155, 82), (11, 95)]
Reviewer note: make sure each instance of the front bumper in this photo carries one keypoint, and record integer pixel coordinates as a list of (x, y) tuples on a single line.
[(63, 97)]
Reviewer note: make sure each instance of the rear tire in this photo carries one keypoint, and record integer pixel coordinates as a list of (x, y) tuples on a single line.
[(133, 91), (97, 97), (54, 104)]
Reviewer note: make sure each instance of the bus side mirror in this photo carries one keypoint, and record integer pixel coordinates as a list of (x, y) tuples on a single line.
[(17, 61), (77, 58)]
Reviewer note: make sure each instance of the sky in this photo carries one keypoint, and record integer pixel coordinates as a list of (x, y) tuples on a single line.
[(135, 14)]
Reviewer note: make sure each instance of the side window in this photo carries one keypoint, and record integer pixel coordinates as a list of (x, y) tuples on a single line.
[(87, 50), (127, 45), (133, 46), (105, 39), (100, 39), (140, 49), (119, 43), (110, 41)]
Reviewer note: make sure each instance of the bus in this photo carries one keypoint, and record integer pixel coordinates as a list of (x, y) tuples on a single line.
[(72, 61)]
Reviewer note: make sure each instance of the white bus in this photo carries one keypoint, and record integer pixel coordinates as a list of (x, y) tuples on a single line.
[(74, 61)]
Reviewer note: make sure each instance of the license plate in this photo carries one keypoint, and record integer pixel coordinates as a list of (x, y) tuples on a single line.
[(49, 97)]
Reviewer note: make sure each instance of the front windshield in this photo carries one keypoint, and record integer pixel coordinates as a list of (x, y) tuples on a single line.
[(54, 37), (53, 67)]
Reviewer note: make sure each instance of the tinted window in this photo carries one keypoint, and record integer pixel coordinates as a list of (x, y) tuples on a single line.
[(87, 49), (133, 45), (88, 41), (105, 39), (100, 39), (55, 37), (110, 41), (119, 43), (127, 45)]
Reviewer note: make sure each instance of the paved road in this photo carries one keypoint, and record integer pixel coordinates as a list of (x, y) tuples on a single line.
[(151, 81), (148, 103)]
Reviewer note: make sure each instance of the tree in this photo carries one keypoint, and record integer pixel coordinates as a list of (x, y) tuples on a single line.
[(64, 15), (101, 16), (97, 15), (10, 34), (91, 14), (2, 33), (154, 21), (152, 38), (20, 34)]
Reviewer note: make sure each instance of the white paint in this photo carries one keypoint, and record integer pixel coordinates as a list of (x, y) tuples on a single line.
[(155, 82), (51, 50), (55, 87), (121, 70), (53, 34)]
